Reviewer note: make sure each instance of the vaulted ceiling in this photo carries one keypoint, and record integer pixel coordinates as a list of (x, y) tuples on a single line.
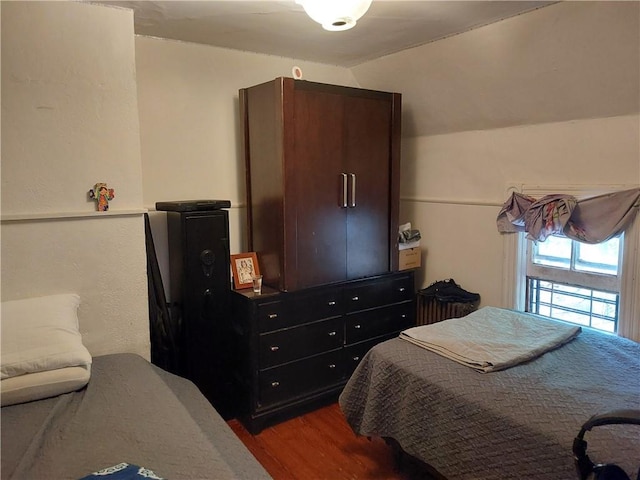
[(282, 27), (517, 62)]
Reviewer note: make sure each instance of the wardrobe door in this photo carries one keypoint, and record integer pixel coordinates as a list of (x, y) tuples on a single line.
[(367, 151), (320, 182)]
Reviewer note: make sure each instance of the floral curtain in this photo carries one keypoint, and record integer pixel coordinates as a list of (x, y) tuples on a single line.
[(590, 220)]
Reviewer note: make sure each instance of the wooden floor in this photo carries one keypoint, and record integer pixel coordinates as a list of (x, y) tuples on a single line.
[(319, 445)]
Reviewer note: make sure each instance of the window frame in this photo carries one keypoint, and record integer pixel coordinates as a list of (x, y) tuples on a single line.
[(592, 280), (515, 260)]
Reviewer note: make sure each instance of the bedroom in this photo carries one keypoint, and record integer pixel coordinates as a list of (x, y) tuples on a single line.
[(164, 126)]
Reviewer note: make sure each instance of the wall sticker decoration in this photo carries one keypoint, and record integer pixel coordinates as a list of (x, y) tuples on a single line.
[(102, 195)]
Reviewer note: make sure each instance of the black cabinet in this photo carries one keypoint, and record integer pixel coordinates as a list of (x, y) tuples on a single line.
[(200, 293), (296, 350)]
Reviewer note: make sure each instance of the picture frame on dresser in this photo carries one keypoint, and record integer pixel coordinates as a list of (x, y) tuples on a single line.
[(243, 267)]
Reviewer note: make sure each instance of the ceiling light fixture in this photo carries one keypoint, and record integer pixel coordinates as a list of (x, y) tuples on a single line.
[(335, 15)]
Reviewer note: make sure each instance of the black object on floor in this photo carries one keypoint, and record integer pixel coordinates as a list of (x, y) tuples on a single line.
[(448, 291)]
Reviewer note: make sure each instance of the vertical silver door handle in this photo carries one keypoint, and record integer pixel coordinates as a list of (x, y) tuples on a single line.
[(344, 190), (352, 203)]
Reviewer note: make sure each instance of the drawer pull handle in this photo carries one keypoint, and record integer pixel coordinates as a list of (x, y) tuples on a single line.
[(332, 365), (404, 315), (401, 289), (332, 334), (355, 299), (331, 303), (357, 327), (275, 348), (355, 359), (275, 384), (273, 315)]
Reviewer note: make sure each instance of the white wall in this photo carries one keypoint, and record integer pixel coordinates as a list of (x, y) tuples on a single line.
[(190, 125), (453, 186), (69, 120), (550, 97)]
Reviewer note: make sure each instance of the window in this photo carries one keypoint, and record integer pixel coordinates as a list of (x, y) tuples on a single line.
[(518, 288), (575, 282)]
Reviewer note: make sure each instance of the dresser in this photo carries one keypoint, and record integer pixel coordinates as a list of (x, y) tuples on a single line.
[(296, 350)]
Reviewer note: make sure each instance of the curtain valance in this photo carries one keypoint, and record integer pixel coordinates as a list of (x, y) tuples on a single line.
[(590, 220)]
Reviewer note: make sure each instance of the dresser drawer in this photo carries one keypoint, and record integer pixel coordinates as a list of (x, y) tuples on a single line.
[(316, 305), (367, 295), (299, 342), (401, 289), (377, 322), (272, 316), (295, 379)]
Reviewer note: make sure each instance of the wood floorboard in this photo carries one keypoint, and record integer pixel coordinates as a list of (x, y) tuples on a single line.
[(317, 446)]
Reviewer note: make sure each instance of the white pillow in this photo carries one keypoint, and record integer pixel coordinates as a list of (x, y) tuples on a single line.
[(35, 386), (41, 334)]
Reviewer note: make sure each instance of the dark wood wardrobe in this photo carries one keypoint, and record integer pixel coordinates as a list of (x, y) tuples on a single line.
[(323, 176)]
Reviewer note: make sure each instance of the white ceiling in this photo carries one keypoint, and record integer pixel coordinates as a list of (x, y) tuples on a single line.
[(282, 28)]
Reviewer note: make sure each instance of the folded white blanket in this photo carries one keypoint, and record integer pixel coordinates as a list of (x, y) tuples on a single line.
[(492, 339)]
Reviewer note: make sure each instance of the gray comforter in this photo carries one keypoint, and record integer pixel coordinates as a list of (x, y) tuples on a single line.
[(132, 412), (512, 424)]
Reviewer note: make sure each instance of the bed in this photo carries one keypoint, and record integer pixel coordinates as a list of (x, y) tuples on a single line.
[(67, 415), (513, 423), (129, 412)]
